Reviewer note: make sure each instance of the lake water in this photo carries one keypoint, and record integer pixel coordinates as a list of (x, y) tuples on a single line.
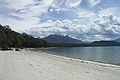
[(100, 54)]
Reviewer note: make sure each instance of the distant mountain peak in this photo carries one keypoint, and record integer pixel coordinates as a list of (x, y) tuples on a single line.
[(57, 38)]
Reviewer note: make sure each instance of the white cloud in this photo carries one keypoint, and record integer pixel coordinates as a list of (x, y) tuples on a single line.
[(92, 3), (17, 4), (65, 5), (105, 27), (73, 3), (29, 16), (110, 11), (85, 13), (62, 27), (80, 23), (109, 26)]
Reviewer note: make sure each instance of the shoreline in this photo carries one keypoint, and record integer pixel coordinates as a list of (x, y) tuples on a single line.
[(78, 60), (33, 65), (73, 58), (64, 57)]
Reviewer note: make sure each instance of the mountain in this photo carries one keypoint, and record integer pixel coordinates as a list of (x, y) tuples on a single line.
[(10, 38), (117, 40), (104, 43), (62, 40)]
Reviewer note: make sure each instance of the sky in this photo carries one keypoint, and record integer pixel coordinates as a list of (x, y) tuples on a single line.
[(86, 20)]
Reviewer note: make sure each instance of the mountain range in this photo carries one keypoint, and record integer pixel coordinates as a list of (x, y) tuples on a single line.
[(61, 40), (10, 38), (104, 43)]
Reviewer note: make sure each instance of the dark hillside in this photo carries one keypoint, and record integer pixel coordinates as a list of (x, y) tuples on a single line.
[(10, 38)]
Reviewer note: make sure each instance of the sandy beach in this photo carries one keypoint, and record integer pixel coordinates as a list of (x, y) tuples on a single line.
[(30, 65)]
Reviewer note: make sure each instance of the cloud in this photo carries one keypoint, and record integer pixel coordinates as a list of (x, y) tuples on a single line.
[(56, 27), (62, 27), (73, 3), (66, 3), (103, 28), (109, 26), (43, 17), (82, 13), (92, 3), (110, 11), (22, 14)]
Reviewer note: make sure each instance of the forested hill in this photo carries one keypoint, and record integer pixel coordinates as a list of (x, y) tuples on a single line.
[(10, 38)]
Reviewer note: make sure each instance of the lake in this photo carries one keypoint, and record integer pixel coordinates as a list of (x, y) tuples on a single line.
[(100, 54)]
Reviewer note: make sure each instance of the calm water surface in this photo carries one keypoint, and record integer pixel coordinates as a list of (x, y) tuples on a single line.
[(101, 54)]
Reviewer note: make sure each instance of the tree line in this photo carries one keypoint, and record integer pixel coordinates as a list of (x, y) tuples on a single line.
[(10, 38)]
